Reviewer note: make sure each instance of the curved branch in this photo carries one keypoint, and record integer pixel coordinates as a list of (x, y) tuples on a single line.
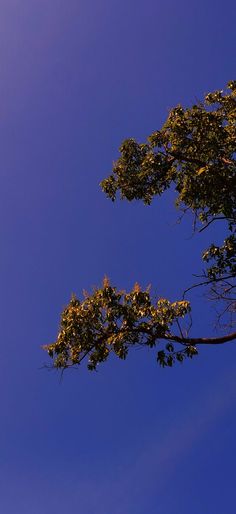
[(188, 341), (193, 341)]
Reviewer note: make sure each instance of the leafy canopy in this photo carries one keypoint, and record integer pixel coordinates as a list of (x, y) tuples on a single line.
[(194, 152)]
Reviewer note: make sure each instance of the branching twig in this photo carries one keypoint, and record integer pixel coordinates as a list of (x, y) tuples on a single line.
[(206, 282)]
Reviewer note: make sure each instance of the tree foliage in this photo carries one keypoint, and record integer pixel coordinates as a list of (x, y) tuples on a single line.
[(194, 152), (111, 321)]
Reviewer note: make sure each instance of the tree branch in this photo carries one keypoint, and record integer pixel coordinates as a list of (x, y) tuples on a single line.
[(211, 221), (193, 341), (207, 282)]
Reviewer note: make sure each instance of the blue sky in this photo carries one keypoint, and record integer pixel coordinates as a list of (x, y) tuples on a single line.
[(78, 77)]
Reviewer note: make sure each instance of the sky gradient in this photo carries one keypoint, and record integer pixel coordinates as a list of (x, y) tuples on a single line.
[(78, 77)]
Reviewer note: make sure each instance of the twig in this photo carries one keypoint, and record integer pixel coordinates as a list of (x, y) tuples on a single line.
[(205, 283)]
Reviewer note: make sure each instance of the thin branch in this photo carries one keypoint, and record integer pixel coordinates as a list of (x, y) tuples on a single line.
[(179, 327), (211, 221), (205, 283), (181, 157)]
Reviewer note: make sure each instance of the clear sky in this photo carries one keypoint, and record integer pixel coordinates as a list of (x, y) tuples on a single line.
[(77, 77)]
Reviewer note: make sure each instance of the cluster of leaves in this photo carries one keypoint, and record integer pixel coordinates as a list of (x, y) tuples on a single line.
[(224, 257), (111, 321), (194, 150)]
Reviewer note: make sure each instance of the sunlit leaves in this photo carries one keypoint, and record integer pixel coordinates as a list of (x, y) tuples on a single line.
[(111, 322), (194, 151), (224, 258)]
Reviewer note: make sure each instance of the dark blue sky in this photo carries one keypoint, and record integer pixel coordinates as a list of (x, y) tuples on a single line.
[(77, 77)]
